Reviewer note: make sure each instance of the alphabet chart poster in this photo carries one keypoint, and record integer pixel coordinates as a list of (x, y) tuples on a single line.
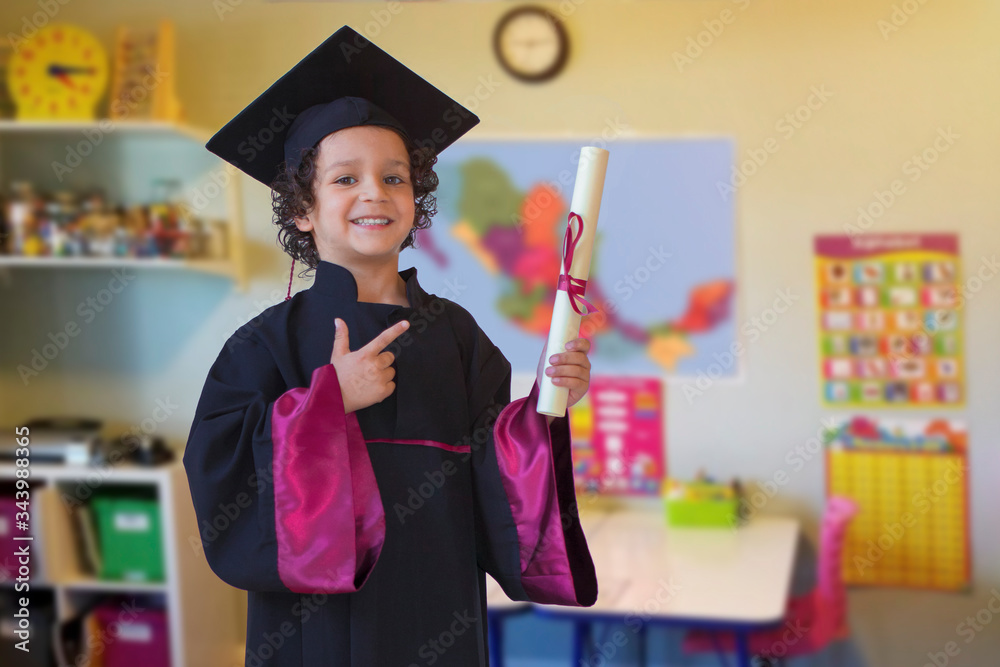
[(617, 430), (910, 481), (890, 320)]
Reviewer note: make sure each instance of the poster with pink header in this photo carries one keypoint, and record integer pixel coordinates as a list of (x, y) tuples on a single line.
[(890, 320), (618, 436)]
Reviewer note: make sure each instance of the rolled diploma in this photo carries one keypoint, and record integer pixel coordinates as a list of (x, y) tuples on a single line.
[(565, 326)]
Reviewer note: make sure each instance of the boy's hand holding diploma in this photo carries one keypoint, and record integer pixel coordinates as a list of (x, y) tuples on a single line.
[(570, 369), (366, 374)]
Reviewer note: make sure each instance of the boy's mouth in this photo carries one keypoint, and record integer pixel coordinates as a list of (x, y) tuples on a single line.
[(371, 222)]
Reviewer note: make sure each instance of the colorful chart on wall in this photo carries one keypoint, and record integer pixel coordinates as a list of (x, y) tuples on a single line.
[(663, 272), (617, 431), (909, 478), (890, 324)]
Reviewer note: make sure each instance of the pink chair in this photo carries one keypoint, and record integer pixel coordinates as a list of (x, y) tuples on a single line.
[(812, 620)]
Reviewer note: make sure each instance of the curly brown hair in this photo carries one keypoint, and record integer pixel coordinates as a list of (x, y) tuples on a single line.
[(292, 196)]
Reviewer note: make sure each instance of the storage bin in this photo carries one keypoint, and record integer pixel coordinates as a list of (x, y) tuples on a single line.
[(129, 537), (8, 564), (133, 638)]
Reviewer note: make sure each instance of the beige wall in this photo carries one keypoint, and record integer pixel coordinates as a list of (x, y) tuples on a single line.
[(890, 95)]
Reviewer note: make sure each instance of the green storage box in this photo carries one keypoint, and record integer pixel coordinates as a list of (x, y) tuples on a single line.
[(702, 505), (128, 531)]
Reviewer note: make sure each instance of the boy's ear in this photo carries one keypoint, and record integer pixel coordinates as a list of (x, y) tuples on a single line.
[(304, 223)]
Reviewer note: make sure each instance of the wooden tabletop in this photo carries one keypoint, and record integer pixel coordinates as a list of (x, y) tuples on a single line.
[(650, 570)]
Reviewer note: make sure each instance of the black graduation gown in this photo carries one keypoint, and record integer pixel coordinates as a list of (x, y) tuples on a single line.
[(362, 539)]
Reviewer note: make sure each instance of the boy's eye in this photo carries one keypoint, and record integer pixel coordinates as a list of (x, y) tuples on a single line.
[(345, 180), (394, 180)]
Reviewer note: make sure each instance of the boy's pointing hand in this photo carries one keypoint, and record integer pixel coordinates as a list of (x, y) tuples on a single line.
[(366, 374)]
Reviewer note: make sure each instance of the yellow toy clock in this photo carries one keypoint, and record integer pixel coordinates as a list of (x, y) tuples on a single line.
[(58, 74)]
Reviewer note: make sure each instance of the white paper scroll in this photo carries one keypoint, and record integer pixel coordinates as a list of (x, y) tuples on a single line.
[(579, 243)]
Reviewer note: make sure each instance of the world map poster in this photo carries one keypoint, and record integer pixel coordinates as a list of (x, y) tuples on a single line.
[(663, 272)]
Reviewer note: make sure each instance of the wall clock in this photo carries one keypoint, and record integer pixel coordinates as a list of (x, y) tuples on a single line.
[(58, 74), (531, 44)]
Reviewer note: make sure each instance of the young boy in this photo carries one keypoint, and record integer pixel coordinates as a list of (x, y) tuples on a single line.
[(377, 483)]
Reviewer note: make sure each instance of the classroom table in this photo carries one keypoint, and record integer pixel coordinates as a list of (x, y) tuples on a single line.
[(722, 579)]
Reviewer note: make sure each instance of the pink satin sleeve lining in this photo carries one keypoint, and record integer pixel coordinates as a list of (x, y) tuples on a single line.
[(524, 444), (328, 513)]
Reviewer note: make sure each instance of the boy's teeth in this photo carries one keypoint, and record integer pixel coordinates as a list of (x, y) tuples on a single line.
[(372, 221)]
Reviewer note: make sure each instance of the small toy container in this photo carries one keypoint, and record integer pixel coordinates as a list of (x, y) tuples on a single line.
[(701, 504)]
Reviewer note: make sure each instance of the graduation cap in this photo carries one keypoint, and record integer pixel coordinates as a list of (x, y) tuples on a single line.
[(346, 81)]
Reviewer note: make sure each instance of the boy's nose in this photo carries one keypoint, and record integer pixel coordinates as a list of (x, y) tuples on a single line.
[(373, 191)]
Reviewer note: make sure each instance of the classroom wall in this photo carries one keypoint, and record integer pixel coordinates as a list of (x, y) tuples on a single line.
[(885, 97)]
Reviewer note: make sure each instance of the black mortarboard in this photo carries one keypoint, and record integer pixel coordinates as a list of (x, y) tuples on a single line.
[(346, 81)]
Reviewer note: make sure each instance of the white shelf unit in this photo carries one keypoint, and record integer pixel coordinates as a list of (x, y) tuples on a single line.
[(200, 614), (124, 158)]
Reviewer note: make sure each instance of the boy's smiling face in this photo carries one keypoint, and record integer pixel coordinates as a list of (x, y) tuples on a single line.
[(362, 176)]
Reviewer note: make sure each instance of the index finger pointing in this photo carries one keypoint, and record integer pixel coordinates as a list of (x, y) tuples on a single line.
[(382, 341)]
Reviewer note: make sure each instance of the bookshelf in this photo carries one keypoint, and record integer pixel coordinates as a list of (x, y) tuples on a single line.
[(125, 159), (202, 628)]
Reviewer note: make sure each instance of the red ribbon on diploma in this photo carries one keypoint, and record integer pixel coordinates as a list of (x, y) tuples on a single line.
[(576, 287)]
